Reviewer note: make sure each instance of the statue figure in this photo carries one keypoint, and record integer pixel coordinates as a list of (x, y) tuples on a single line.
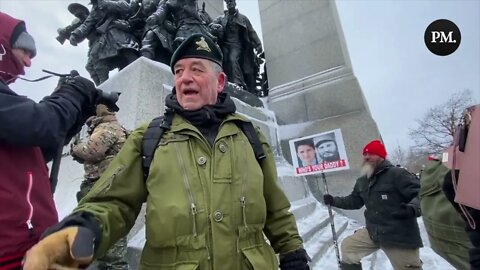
[(156, 38), (115, 46), (81, 13), (238, 40), (186, 19), (206, 18)]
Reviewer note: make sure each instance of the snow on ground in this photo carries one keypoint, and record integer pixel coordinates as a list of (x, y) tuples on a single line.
[(377, 261)]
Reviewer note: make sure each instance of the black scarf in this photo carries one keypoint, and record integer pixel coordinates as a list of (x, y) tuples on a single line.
[(208, 118)]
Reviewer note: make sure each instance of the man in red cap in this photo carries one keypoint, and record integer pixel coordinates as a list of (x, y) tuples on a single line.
[(390, 197), (30, 135)]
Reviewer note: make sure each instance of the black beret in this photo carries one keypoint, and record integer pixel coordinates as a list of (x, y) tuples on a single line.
[(197, 46)]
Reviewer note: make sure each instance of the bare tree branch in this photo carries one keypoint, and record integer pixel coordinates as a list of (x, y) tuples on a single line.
[(435, 130)]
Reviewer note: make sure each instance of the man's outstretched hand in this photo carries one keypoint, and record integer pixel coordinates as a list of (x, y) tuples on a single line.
[(71, 247)]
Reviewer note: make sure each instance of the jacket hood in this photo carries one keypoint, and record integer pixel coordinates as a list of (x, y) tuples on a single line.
[(10, 30)]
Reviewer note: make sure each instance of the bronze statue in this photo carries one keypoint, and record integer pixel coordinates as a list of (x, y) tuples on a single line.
[(186, 19), (157, 38), (119, 31), (114, 46), (238, 40), (81, 13), (204, 16)]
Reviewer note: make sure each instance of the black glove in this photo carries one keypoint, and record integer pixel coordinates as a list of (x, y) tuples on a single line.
[(405, 211), (295, 260), (84, 86), (328, 199)]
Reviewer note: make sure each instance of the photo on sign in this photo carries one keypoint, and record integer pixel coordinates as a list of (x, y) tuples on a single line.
[(320, 152)]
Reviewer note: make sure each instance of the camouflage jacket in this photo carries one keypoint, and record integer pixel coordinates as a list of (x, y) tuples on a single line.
[(106, 139)]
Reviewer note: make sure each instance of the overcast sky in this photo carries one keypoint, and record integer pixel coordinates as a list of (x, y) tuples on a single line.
[(400, 78)]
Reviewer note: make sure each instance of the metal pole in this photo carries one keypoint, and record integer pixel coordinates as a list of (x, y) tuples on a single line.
[(332, 223), (55, 169)]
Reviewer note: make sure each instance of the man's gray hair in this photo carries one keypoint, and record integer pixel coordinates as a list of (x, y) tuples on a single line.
[(216, 68)]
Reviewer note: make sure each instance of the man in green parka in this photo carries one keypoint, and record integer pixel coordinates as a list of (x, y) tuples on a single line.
[(210, 202)]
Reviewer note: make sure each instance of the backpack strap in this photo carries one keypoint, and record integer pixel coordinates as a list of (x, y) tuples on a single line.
[(159, 125), (152, 137), (249, 130)]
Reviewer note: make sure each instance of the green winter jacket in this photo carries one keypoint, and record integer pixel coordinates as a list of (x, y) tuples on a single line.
[(445, 227), (207, 207), (382, 194)]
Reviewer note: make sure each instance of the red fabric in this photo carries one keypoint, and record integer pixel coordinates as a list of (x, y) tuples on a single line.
[(10, 67), (375, 147), (25, 198), (12, 261)]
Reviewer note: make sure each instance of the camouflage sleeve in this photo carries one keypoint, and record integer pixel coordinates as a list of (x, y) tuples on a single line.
[(116, 198), (94, 150)]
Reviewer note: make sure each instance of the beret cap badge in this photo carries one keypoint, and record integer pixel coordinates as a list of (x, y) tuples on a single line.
[(203, 45)]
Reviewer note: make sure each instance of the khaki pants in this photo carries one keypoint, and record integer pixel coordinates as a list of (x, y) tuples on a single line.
[(359, 245)]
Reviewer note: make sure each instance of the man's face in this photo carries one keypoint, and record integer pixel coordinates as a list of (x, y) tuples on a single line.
[(197, 83), (327, 149), (370, 162), (306, 153), (24, 57), (230, 4), (372, 159)]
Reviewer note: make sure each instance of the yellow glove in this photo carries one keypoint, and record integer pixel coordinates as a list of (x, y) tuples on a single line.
[(68, 248)]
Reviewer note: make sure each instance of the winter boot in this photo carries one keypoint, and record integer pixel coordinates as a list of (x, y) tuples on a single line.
[(347, 266)]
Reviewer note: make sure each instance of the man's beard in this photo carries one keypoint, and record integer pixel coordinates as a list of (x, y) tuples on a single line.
[(367, 169)]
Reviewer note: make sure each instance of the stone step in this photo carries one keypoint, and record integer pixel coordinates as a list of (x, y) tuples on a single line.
[(326, 242), (304, 207), (321, 240)]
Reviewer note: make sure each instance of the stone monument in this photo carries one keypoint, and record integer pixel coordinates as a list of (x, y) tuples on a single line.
[(312, 85)]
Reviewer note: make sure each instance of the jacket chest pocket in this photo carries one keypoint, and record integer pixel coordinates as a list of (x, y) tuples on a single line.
[(222, 160), (384, 195)]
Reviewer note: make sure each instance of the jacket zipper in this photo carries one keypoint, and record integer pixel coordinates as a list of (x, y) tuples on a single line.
[(193, 207), (243, 202), (30, 206)]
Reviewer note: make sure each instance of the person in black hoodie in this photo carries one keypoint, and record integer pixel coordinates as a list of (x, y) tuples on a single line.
[(30, 135)]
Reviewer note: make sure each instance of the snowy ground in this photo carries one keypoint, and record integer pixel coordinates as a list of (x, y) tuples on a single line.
[(378, 260)]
